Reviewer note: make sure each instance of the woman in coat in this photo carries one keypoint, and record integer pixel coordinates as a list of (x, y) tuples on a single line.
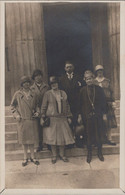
[(55, 106), (93, 111), (103, 82), (25, 110)]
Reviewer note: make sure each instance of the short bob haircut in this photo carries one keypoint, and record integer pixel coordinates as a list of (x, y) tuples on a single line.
[(36, 73)]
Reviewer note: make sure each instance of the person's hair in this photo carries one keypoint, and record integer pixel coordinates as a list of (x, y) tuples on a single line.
[(36, 73), (68, 62)]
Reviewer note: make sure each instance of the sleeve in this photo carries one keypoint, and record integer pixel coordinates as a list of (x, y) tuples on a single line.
[(80, 102), (69, 114), (37, 104), (13, 106), (44, 105), (103, 101)]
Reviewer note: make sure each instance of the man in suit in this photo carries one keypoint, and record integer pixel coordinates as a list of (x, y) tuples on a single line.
[(71, 84), (39, 88)]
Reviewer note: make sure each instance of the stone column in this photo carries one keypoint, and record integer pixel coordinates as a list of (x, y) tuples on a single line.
[(113, 13)]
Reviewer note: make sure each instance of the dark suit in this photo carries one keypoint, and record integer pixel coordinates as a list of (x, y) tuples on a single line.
[(72, 89)]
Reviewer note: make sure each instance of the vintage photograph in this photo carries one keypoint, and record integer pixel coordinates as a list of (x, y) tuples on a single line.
[(62, 95)]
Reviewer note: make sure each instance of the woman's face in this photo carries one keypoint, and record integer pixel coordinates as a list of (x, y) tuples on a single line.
[(54, 86), (100, 73), (89, 80), (38, 78), (26, 85)]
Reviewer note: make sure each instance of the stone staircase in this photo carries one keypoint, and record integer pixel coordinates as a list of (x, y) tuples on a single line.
[(13, 151)]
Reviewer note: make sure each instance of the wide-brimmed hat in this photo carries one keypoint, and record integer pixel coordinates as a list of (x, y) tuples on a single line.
[(99, 67), (53, 79), (36, 73), (25, 79)]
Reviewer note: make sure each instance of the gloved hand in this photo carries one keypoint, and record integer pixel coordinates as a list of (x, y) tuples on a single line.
[(69, 121), (18, 118)]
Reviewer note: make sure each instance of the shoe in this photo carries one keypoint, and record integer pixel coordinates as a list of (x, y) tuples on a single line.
[(39, 149), (53, 160), (89, 157), (100, 156), (111, 143), (64, 159), (36, 162), (25, 162)]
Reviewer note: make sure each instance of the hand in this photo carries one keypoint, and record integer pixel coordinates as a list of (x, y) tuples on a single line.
[(104, 117), (69, 121), (36, 114), (79, 119), (18, 118), (42, 121)]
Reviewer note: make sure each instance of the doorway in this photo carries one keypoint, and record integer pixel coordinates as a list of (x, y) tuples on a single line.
[(68, 37)]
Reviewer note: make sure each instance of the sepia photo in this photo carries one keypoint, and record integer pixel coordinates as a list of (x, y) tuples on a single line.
[(62, 74)]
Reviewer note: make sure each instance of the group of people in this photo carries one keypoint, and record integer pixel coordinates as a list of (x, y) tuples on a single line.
[(50, 113)]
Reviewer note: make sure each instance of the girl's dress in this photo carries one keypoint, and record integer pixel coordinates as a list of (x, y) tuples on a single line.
[(56, 107)]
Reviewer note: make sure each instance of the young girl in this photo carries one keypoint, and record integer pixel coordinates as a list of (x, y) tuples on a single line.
[(58, 133), (25, 110)]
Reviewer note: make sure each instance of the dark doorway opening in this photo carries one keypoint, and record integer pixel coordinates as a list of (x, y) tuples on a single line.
[(68, 37)]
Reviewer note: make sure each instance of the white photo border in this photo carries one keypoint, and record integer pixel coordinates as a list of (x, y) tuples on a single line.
[(121, 189)]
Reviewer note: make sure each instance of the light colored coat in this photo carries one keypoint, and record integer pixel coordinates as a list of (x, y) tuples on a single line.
[(59, 131), (23, 107)]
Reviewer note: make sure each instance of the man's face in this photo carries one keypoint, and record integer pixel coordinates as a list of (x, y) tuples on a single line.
[(38, 78), (69, 68), (26, 85), (89, 80)]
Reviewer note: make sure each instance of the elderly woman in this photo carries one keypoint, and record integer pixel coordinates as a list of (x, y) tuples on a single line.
[(93, 112), (25, 110), (103, 82), (56, 108)]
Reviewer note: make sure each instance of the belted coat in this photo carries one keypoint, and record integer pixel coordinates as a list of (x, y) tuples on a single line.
[(27, 126)]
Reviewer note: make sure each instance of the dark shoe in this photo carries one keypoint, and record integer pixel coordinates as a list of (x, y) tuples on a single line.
[(53, 160), (89, 157), (39, 149), (111, 143), (25, 162), (36, 162), (64, 159), (100, 156)]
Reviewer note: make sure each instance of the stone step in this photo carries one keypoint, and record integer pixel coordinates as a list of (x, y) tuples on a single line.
[(10, 127), (11, 142), (12, 135), (74, 152), (116, 137), (117, 111), (9, 119)]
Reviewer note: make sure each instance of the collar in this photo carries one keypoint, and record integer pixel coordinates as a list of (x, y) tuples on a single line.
[(100, 79)]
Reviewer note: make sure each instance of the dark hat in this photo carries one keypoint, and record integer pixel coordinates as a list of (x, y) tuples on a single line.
[(24, 79), (36, 73), (53, 79)]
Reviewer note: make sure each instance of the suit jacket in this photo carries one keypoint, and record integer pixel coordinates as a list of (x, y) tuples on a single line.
[(72, 89)]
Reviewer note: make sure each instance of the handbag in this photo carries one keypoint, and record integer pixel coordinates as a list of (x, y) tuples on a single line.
[(46, 122)]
